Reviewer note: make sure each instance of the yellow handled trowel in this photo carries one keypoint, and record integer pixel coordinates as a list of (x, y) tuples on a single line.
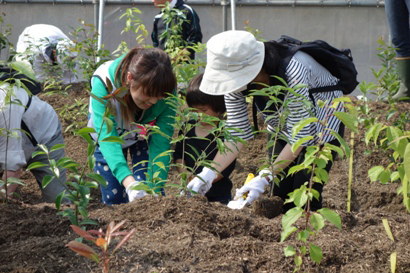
[(239, 203)]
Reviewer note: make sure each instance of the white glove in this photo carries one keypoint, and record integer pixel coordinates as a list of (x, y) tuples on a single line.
[(254, 187), (134, 194), (203, 185)]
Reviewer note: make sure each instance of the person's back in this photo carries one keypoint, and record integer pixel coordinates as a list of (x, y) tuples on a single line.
[(41, 125), (42, 45), (191, 29)]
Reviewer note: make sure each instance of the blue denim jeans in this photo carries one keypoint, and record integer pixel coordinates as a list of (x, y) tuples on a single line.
[(397, 12), (115, 193)]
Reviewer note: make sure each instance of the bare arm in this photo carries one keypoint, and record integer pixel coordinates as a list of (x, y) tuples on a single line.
[(222, 161), (287, 157)]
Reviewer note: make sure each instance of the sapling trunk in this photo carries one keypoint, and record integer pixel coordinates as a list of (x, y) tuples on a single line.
[(349, 185)]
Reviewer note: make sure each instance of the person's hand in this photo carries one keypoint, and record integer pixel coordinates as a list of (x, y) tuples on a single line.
[(134, 194), (255, 187), (202, 186)]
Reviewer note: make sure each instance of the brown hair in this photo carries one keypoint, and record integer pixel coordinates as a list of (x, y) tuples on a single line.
[(196, 97), (150, 69)]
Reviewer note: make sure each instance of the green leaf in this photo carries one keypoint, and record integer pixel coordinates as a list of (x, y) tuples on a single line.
[(303, 236), (160, 165), (286, 232), (374, 172), (25, 69), (342, 142), (406, 160), (298, 260), (296, 168), (43, 147), (387, 228), (86, 130), (384, 176), (109, 124), (300, 196), (35, 165), (57, 147), (289, 251), (113, 139), (59, 199), (297, 144), (335, 148), (322, 175), (98, 178), (331, 216), (317, 221), (46, 180), (348, 120), (315, 253), (291, 217), (36, 153), (301, 124), (393, 262)]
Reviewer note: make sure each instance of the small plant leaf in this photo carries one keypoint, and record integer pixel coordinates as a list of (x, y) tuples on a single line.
[(289, 251), (374, 172), (35, 165), (86, 130), (315, 253), (83, 250), (317, 221), (124, 240), (348, 120), (387, 228), (101, 242), (57, 147), (83, 233), (113, 139), (59, 199), (286, 232), (301, 124), (393, 262), (46, 180), (98, 178), (291, 217), (331, 216)]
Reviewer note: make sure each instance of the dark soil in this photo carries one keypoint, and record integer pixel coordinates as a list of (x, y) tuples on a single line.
[(179, 234)]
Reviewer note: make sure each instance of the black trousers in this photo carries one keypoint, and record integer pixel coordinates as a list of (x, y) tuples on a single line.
[(292, 182)]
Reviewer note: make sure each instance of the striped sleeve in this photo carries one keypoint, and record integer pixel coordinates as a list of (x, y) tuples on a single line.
[(237, 112)]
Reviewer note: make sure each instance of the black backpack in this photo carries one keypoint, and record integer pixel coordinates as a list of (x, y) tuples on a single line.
[(7, 72), (338, 62)]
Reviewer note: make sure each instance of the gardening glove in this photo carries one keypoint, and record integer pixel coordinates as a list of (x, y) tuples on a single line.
[(203, 185), (134, 194), (255, 187)]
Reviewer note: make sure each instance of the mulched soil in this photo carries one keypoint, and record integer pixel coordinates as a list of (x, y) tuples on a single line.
[(179, 234)]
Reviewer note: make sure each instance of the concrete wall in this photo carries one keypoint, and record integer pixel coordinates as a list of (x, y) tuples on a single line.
[(357, 28)]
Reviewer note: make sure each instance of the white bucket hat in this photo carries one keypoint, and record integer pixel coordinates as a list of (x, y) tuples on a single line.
[(234, 59)]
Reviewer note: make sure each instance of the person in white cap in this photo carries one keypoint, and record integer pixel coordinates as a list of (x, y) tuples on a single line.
[(43, 45), (237, 63)]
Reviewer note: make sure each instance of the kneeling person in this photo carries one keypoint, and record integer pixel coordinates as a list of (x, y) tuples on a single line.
[(40, 121), (220, 188)]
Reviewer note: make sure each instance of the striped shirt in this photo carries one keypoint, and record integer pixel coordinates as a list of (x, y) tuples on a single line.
[(302, 69)]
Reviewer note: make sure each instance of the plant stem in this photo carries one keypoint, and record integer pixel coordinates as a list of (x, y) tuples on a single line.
[(349, 185)]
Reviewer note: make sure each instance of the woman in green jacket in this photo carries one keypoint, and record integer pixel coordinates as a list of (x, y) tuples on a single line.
[(148, 75)]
